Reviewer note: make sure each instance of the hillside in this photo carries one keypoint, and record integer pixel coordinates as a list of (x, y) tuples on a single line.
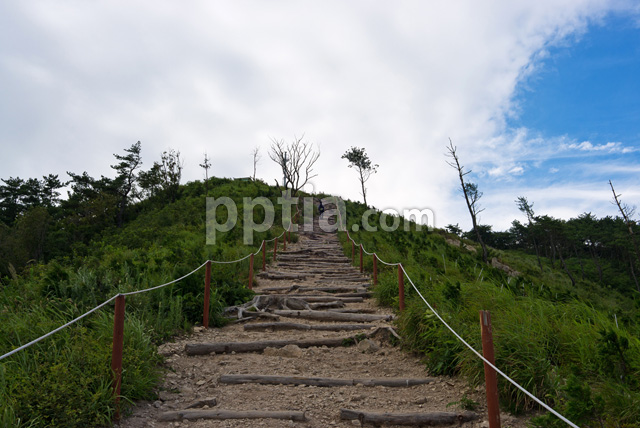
[(575, 346)]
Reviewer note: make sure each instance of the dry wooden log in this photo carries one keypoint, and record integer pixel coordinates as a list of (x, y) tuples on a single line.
[(228, 347), (364, 294), (353, 310), (297, 326), (414, 419), (319, 381), (332, 316), (326, 305), (277, 276), (333, 289), (310, 298), (230, 414)]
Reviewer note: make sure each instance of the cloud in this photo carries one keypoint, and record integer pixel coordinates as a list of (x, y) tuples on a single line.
[(82, 81), (609, 147)]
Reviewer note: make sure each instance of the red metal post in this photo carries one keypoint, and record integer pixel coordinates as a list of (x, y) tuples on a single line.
[(264, 255), (251, 272), (361, 262), (490, 376), (400, 288), (116, 352), (207, 294), (375, 269), (275, 249)]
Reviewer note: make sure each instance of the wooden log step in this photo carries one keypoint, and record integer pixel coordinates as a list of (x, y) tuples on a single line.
[(363, 294), (353, 310), (231, 414), (228, 347), (334, 289), (281, 275), (414, 419), (298, 326), (329, 298), (332, 316), (319, 381), (336, 304)]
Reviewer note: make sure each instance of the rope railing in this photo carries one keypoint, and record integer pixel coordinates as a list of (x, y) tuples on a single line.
[(118, 337), (486, 361)]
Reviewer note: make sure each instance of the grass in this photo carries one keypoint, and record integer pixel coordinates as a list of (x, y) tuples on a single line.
[(65, 380), (559, 342)]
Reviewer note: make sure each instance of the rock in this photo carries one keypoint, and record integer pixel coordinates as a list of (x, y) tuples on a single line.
[(499, 265), (420, 401), (204, 403), (157, 404), (484, 424), (289, 351), (368, 346), (201, 382)]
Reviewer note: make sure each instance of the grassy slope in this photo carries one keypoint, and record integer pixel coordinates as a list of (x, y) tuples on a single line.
[(559, 342), (65, 380)]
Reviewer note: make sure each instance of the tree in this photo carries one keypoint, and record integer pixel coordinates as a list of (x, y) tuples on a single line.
[(206, 165), (11, 205), (171, 173), (126, 178), (256, 160), (471, 195), (359, 159), (527, 208), (296, 160), (50, 185), (627, 212)]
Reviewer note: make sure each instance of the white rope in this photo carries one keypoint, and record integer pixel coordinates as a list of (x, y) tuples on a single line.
[(514, 383), (56, 330), (386, 263), (131, 293)]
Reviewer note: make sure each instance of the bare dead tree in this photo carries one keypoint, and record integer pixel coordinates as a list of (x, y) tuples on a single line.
[(471, 195), (256, 160), (527, 208), (206, 165), (296, 160), (627, 212)]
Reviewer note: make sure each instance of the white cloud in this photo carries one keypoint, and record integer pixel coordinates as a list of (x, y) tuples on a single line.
[(87, 79)]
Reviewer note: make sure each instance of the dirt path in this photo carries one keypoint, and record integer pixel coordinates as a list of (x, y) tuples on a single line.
[(195, 380)]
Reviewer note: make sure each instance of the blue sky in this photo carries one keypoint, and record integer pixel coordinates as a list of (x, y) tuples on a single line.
[(540, 97), (584, 99)]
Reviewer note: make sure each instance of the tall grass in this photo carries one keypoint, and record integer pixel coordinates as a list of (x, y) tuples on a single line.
[(65, 380), (560, 343)]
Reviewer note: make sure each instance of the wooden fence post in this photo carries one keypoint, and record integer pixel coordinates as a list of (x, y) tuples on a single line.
[(490, 376), (284, 241), (375, 269), (361, 262), (251, 272), (275, 248), (353, 252), (264, 255), (116, 351), (207, 294), (400, 288)]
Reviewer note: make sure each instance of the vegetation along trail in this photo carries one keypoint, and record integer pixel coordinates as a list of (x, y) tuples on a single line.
[(310, 348)]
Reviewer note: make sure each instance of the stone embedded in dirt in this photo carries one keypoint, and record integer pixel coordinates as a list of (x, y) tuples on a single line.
[(368, 346), (289, 351), (204, 403)]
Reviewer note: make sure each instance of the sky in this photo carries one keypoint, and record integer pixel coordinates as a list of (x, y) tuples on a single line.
[(541, 98)]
